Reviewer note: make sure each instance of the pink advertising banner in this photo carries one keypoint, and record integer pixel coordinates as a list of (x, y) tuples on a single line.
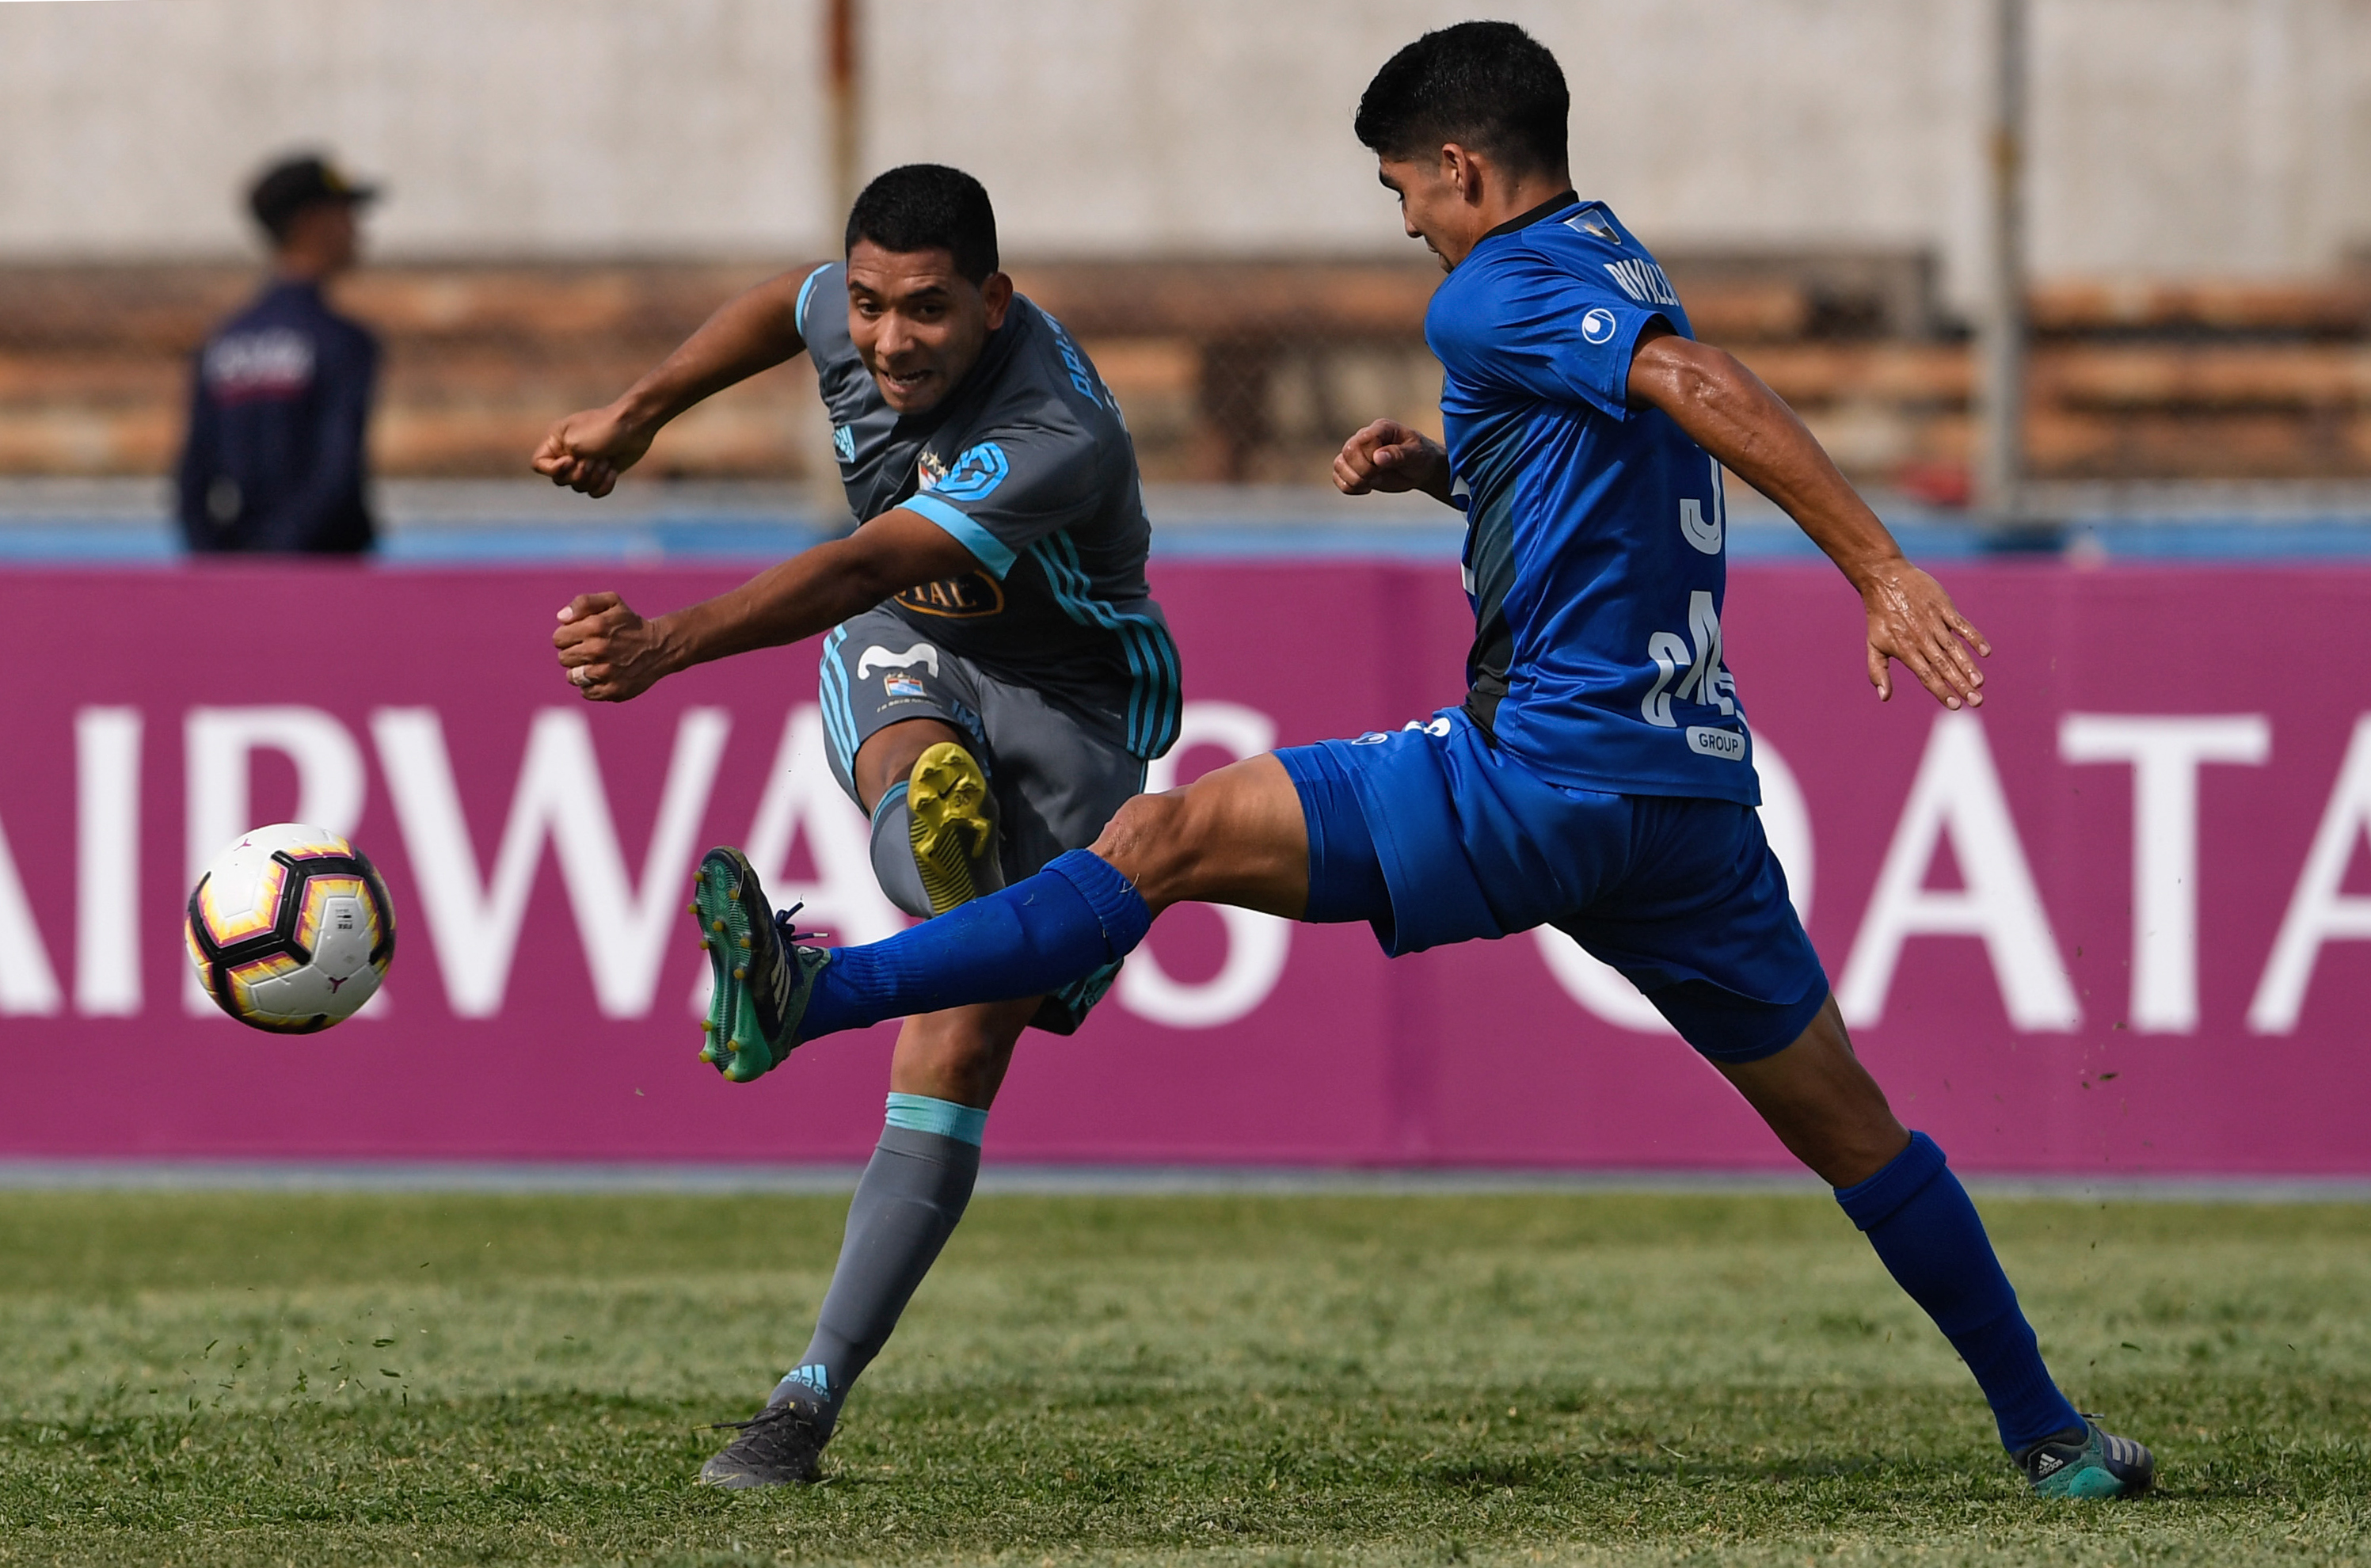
[(2115, 923)]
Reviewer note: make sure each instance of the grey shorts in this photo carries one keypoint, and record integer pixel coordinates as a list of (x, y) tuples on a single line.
[(1057, 780)]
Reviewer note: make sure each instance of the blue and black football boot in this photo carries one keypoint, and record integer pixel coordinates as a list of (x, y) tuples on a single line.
[(2089, 1463), (760, 976)]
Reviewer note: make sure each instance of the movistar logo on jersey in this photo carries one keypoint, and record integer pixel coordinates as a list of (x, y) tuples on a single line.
[(879, 658), (974, 475), (843, 441)]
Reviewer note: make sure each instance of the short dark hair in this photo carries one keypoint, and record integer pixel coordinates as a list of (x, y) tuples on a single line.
[(1489, 86), (928, 207)]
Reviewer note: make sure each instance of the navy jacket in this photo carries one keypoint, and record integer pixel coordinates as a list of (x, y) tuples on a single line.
[(279, 400)]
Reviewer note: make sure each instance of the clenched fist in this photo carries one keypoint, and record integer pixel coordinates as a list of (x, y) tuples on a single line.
[(1388, 456), (610, 653), (587, 451)]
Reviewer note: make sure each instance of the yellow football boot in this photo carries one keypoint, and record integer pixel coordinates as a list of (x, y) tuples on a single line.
[(951, 825)]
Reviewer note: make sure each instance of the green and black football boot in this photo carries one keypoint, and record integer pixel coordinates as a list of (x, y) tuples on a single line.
[(2089, 1463), (760, 976)]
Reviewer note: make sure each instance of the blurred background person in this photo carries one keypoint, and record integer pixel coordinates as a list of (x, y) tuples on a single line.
[(280, 393)]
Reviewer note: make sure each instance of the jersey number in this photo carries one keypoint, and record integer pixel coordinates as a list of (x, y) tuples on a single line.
[(1699, 530), (1705, 682)]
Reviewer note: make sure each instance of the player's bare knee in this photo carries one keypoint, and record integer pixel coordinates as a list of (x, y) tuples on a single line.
[(1138, 830), (888, 754), (1149, 841), (958, 1056)]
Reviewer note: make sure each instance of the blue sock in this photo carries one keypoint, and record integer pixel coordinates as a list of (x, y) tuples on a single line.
[(1028, 939), (1926, 1231)]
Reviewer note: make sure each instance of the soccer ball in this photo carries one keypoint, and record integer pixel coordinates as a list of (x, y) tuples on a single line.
[(291, 928)]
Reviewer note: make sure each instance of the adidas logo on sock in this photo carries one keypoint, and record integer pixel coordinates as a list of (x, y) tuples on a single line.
[(813, 1377)]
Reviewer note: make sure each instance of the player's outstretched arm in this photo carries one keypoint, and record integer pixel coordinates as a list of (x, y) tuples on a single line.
[(1732, 414), (1391, 457), (610, 653), (755, 330)]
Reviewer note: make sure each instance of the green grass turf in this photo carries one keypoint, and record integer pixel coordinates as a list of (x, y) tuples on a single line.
[(349, 1379)]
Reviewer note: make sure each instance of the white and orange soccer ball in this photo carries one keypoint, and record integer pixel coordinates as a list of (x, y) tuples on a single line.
[(291, 928)]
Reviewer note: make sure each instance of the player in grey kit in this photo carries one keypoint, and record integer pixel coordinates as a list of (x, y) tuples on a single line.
[(995, 677)]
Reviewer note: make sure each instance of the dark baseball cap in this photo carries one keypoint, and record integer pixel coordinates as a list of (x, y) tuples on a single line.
[(289, 187)]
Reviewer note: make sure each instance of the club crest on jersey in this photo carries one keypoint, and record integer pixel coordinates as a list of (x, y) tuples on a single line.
[(973, 476), (1591, 220)]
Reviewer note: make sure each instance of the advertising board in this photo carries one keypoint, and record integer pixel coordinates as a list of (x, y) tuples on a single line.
[(2112, 923)]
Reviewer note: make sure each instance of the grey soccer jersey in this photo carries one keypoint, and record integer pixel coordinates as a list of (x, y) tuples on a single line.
[(1028, 463)]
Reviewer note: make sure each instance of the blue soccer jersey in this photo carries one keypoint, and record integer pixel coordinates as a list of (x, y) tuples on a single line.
[(1594, 549)]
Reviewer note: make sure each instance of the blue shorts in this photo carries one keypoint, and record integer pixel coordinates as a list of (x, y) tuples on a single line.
[(1435, 836)]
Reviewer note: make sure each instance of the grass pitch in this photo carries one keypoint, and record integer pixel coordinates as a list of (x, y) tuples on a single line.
[(418, 1379)]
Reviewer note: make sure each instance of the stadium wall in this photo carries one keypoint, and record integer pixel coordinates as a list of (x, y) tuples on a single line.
[(2103, 926), (2170, 136)]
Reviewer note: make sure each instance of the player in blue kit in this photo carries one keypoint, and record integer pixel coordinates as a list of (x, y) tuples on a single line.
[(1599, 776)]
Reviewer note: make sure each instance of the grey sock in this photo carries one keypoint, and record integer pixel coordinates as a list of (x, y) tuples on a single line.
[(912, 1192), (892, 853)]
